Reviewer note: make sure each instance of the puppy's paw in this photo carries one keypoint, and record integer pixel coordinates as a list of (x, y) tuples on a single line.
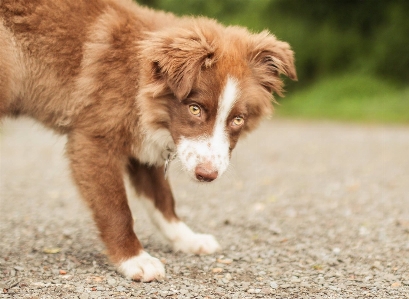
[(197, 244), (142, 267)]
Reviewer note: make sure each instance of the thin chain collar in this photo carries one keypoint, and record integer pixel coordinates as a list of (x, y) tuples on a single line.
[(171, 155)]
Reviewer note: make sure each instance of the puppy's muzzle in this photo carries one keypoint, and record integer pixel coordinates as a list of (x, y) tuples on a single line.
[(204, 172)]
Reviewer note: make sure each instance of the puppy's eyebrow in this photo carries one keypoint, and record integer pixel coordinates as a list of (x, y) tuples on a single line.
[(203, 101), (239, 108), (197, 100), (192, 94), (192, 97)]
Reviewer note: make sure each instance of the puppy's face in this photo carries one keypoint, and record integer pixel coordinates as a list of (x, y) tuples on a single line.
[(206, 127), (209, 85)]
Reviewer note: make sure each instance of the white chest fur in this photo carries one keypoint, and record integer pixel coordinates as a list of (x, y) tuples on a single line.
[(154, 147)]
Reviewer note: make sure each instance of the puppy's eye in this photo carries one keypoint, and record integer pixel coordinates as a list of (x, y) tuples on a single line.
[(195, 110), (238, 121)]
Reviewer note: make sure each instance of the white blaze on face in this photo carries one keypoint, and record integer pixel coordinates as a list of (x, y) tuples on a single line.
[(214, 148)]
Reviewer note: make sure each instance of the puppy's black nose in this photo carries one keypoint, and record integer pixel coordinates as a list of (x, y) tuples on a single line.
[(205, 173)]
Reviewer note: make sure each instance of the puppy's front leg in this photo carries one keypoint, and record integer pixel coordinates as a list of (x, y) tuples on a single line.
[(150, 183), (98, 172)]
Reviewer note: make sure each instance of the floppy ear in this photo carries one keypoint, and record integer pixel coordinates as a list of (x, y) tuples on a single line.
[(177, 57), (269, 58)]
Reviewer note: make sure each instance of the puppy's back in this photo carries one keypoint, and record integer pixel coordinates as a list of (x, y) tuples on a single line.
[(47, 44)]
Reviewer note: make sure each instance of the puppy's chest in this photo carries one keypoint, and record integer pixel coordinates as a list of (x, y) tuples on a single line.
[(154, 147)]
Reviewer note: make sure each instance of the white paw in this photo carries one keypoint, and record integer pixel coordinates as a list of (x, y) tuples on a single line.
[(142, 267), (196, 243), (180, 235)]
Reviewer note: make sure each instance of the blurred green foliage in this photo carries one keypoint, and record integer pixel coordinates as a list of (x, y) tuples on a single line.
[(349, 97), (331, 39)]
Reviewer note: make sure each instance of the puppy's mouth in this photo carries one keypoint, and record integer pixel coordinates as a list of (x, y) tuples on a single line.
[(203, 159), (203, 172)]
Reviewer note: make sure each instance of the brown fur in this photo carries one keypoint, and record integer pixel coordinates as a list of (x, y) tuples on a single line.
[(107, 73)]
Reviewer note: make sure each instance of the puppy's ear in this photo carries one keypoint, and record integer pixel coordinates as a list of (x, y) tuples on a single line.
[(269, 58), (177, 56)]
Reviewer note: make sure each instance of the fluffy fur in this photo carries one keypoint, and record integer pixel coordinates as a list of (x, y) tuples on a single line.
[(127, 85)]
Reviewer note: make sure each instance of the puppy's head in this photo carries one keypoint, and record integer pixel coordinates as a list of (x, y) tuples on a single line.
[(208, 84)]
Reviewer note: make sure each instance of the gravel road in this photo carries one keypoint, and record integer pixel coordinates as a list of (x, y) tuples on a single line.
[(306, 210)]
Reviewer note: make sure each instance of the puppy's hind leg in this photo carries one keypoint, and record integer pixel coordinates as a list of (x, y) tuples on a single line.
[(150, 183)]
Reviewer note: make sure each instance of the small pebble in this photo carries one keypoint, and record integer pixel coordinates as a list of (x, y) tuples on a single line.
[(266, 291), (273, 285), (295, 279), (336, 250), (275, 230), (389, 277), (111, 281), (225, 261), (19, 268), (245, 285), (305, 284), (377, 265), (396, 284)]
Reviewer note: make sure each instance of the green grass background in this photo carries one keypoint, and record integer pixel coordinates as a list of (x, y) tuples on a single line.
[(348, 97)]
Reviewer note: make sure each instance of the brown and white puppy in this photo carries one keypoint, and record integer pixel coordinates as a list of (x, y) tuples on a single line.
[(130, 86)]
